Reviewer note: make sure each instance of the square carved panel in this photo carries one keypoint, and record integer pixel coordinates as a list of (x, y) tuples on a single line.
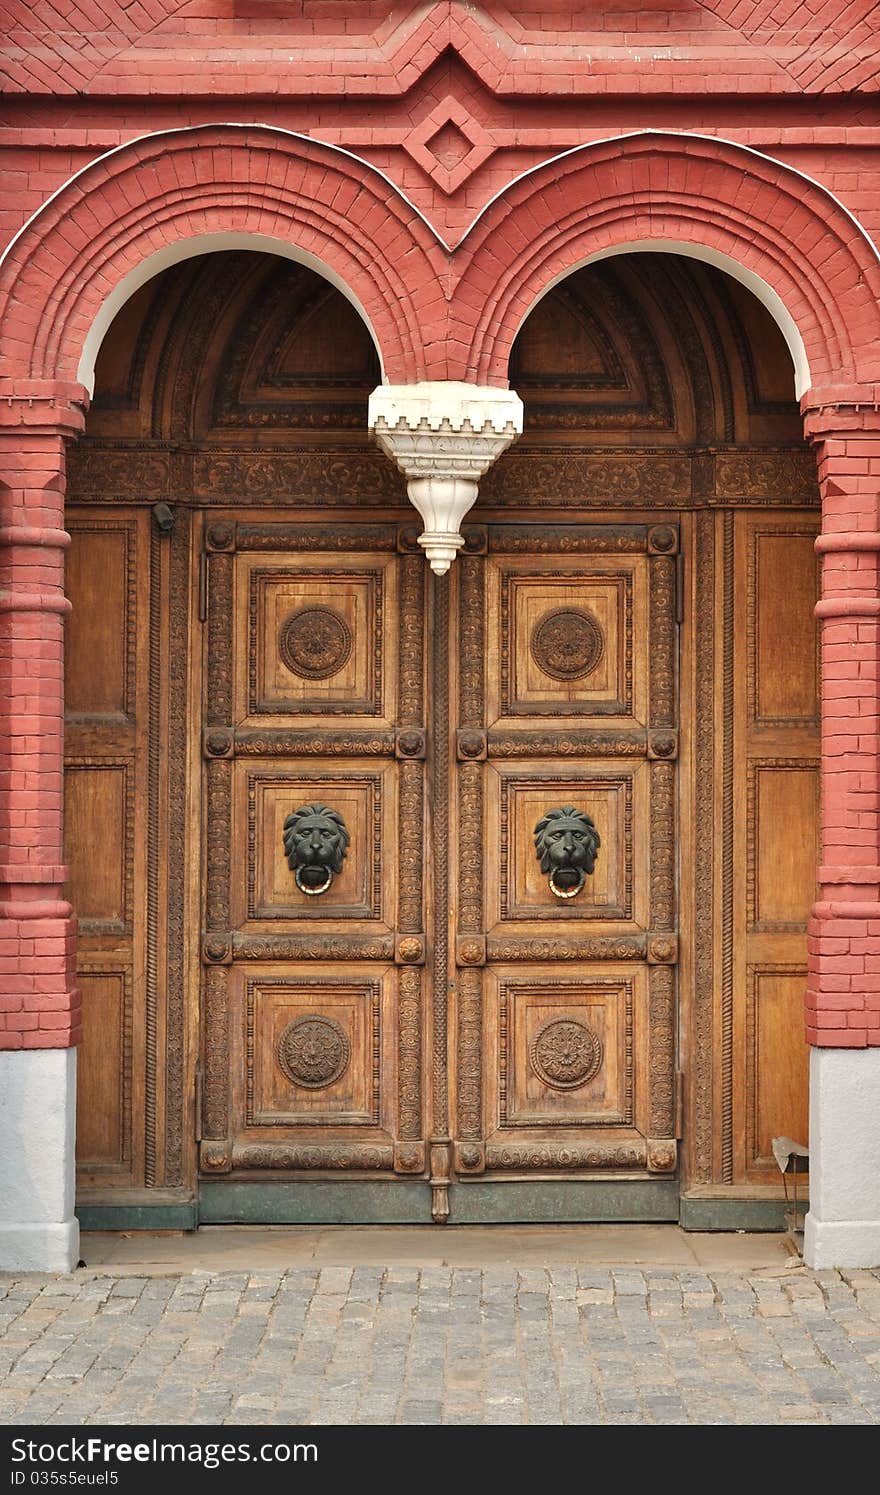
[(312, 1052), (781, 842), (315, 641), (777, 1079), (99, 838), (357, 890), (565, 1052), (104, 1069), (783, 639), (522, 801), (566, 644)]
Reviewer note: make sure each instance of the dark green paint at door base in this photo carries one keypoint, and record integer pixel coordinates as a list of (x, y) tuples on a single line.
[(316, 1202), (393, 1202), (563, 1202)]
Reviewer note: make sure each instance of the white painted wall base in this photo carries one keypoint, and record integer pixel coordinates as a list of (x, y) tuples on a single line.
[(843, 1225), (38, 1229)]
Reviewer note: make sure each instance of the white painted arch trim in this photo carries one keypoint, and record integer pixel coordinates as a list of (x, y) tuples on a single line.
[(187, 249), (759, 288)]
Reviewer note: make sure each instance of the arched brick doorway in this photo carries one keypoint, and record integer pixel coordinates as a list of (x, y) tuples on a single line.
[(462, 310), (659, 408)]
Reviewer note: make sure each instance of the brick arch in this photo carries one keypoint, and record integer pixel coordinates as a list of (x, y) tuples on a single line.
[(776, 229), (165, 196)]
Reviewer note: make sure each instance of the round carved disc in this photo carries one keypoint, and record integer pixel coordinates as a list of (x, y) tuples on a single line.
[(567, 643), (314, 642), (565, 1054), (314, 1052)]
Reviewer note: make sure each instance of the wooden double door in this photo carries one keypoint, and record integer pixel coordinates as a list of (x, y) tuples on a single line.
[(439, 926)]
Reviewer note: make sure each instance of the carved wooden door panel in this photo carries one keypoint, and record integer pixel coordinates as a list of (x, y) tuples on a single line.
[(565, 984), (313, 942), (107, 773)]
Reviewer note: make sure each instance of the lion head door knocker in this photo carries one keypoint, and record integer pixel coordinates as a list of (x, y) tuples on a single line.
[(566, 843), (315, 842)]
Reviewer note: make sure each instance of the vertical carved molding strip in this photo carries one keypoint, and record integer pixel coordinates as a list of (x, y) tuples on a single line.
[(727, 860), (704, 850), (440, 809), (215, 1118), (662, 1023), (470, 846), (662, 846), (219, 714), (409, 1054), (219, 704), (661, 1001), (662, 606), (219, 812), (154, 756), (176, 1108), (412, 618), (411, 816), (411, 714)]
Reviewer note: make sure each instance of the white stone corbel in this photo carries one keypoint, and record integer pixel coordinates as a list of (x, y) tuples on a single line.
[(444, 436)]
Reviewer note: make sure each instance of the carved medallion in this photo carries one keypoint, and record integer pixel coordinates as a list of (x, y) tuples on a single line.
[(567, 643), (472, 744), (565, 1054), (313, 1052), (315, 642), (411, 743)]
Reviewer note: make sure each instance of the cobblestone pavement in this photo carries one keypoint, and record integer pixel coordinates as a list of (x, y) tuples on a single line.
[(480, 1345)]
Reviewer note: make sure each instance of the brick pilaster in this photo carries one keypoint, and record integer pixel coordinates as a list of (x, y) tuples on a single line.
[(39, 1002), (843, 990)]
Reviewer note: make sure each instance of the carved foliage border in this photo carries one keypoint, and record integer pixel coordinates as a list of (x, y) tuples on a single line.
[(549, 1157), (318, 947), (215, 1092), (471, 632), (530, 473), (360, 1157), (411, 831), (661, 1020)]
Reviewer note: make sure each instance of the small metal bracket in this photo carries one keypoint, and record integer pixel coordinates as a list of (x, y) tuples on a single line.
[(163, 518)]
